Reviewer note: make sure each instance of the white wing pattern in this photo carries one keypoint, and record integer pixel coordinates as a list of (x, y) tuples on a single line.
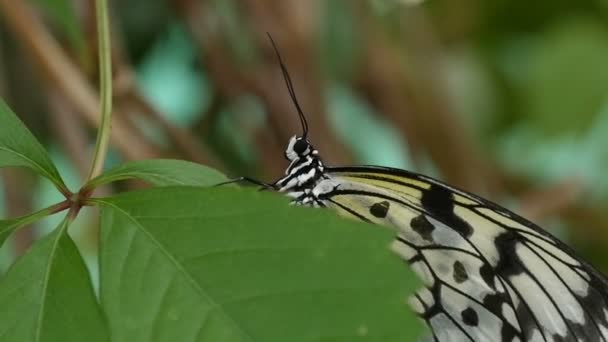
[(490, 275)]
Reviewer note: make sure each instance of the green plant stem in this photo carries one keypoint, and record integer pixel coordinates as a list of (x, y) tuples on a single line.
[(33, 217), (105, 86)]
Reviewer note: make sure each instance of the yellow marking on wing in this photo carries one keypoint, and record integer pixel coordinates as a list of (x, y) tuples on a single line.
[(387, 186), (341, 211), (356, 176), (464, 200), (357, 203), (347, 201)]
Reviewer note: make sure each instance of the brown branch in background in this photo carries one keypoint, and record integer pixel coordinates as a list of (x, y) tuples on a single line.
[(228, 82), (62, 74), (446, 138), (550, 201), (562, 200), (436, 127), (406, 85), (292, 24), (18, 203), (386, 91), (231, 80), (208, 119), (589, 224), (183, 138), (129, 98), (69, 131)]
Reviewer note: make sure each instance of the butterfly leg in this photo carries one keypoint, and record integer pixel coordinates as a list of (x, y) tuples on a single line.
[(264, 186)]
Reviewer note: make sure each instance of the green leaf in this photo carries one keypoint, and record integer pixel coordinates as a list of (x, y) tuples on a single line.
[(47, 295), (18, 147), (199, 264), (162, 172)]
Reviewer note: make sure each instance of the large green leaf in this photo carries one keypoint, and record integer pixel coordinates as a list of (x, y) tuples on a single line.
[(18, 147), (196, 264), (47, 296), (162, 172)]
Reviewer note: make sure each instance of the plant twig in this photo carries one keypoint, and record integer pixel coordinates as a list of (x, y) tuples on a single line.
[(105, 86)]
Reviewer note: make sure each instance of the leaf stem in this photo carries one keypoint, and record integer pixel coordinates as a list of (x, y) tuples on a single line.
[(35, 216), (105, 86)]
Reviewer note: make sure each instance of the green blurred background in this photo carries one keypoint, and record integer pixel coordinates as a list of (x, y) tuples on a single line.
[(508, 99)]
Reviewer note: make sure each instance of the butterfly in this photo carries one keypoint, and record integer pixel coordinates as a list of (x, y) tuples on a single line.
[(489, 274)]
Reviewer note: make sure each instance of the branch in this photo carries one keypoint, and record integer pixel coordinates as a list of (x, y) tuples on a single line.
[(61, 73)]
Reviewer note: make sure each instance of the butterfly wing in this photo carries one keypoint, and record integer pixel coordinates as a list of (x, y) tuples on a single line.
[(488, 272)]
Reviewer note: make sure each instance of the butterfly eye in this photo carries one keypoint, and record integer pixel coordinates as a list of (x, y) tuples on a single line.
[(300, 146)]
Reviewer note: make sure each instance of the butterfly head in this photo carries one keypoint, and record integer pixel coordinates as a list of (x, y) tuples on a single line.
[(298, 148), (305, 167)]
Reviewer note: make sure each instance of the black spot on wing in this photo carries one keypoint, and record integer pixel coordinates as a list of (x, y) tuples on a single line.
[(594, 302), (469, 317), (508, 263), (436, 307), (380, 209), (459, 272), (558, 338), (495, 303), (423, 227), (487, 274), (581, 332), (596, 299), (438, 201), (508, 333)]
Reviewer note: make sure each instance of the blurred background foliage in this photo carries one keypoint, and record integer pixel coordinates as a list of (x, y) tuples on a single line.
[(508, 99)]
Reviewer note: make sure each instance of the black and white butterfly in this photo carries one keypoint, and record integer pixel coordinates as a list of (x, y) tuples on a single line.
[(490, 274)]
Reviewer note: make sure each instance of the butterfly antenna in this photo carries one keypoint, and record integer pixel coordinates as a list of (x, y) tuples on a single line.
[(290, 88)]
